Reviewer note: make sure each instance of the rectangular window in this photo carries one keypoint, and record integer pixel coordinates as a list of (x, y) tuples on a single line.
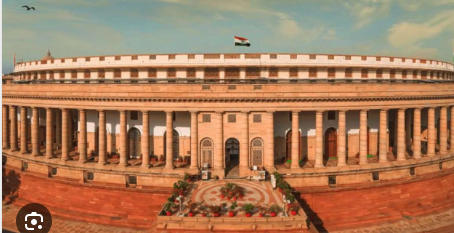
[(206, 118), (312, 57), (252, 56), (375, 176), (422, 61), (132, 180), (171, 73), (102, 58), (348, 58), (101, 73), (191, 56), (43, 62), (152, 57), (24, 166), (134, 115), (51, 75), (87, 59), (87, 74), (211, 73), (412, 171), (257, 118), (331, 72), (379, 74), (391, 59), (331, 180), (330, 57), (73, 74), (364, 58), (171, 56), (231, 87), (90, 176), (152, 73), (293, 56), (190, 72), (205, 87), (294, 72), (273, 72), (212, 56), (331, 115), (134, 73), (364, 73), (232, 56), (404, 74), (74, 59), (62, 60), (273, 56), (117, 58), (392, 74), (252, 72), (257, 87), (378, 58), (134, 57), (231, 118), (312, 72), (348, 73), (62, 74), (232, 72), (117, 73)]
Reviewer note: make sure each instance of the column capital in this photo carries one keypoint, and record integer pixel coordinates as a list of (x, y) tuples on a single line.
[(364, 110), (101, 110), (342, 110), (384, 109), (122, 111), (320, 111), (81, 110), (402, 109), (270, 111), (169, 112), (194, 112), (145, 112)]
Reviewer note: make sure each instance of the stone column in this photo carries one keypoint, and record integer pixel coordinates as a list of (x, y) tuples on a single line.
[(64, 132), (5, 127), (431, 133), (49, 134), (145, 140), (452, 132), (383, 151), (58, 126), (295, 140), (82, 136), (35, 133), (363, 137), (102, 138), (319, 139), (417, 133), (169, 140), (341, 149), (23, 130), (244, 147), (269, 146), (13, 128), (218, 145), (401, 149), (194, 141), (123, 137), (443, 130)]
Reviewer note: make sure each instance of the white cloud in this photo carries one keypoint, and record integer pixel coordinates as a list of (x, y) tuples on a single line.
[(406, 33), (366, 11), (330, 35), (416, 5)]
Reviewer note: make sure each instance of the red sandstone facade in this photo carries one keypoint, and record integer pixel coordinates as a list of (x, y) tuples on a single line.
[(360, 120)]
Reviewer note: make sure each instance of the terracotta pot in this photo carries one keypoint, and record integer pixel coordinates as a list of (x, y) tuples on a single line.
[(293, 212), (216, 214), (204, 215), (235, 198), (153, 159), (273, 214), (181, 193), (168, 213), (241, 195), (248, 215), (189, 180), (228, 198), (191, 214), (222, 195), (280, 190), (289, 205), (261, 215), (231, 213)]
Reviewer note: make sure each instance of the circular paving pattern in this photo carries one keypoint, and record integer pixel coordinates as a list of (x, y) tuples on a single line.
[(209, 193)]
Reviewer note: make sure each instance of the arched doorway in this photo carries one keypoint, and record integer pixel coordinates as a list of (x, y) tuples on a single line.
[(257, 152), (206, 153), (134, 143), (175, 144), (330, 143), (288, 151), (232, 156)]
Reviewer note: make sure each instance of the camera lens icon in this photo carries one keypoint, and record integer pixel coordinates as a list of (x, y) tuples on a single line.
[(33, 221)]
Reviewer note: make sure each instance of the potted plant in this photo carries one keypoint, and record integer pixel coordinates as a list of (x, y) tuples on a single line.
[(187, 177), (294, 207), (216, 177), (192, 206), (223, 191), (215, 210), (168, 208), (274, 210), (232, 209), (290, 198), (179, 160), (153, 158), (248, 209), (203, 210), (262, 210)]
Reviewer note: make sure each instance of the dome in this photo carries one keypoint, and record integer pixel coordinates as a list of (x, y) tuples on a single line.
[(48, 56)]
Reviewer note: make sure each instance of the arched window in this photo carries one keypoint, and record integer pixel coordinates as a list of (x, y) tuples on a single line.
[(206, 153), (257, 152)]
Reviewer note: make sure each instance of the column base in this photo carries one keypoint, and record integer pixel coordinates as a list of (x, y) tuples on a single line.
[(383, 161), (341, 164)]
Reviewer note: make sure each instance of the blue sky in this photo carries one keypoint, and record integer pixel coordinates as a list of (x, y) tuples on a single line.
[(411, 28)]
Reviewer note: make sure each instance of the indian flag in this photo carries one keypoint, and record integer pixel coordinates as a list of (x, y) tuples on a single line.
[(241, 41)]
